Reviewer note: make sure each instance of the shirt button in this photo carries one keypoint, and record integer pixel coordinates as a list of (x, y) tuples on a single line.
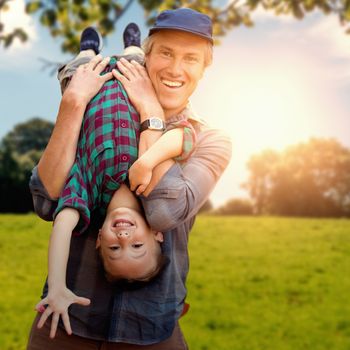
[(123, 125), (125, 158)]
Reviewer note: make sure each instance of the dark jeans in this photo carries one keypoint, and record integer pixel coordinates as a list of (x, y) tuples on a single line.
[(39, 340)]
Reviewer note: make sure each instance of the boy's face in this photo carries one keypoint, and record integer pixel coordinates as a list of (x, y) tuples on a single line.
[(175, 64), (129, 248)]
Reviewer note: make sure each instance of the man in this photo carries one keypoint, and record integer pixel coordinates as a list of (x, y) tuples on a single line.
[(139, 316)]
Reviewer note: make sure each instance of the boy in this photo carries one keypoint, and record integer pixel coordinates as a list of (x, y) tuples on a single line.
[(107, 148)]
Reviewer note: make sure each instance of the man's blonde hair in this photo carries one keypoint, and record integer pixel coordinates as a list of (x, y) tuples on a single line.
[(148, 43)]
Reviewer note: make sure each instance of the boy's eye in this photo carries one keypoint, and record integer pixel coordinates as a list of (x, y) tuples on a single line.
[(137, 245), (113, 248)]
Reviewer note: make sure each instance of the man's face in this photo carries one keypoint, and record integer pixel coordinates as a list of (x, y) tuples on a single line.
[(175, 65), (129, 248)]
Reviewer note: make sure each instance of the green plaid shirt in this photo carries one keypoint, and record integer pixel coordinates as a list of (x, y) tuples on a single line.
[(107, 147)]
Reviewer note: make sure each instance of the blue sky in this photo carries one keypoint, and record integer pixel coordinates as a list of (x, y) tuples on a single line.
[(278, 83)]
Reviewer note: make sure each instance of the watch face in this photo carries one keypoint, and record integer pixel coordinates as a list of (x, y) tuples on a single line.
[(156, 123)]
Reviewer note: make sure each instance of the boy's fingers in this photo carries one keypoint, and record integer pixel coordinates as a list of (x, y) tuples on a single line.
[(40, 305), (54, 323), (140, 189), (66, 322), (132, 187), (44, 317), (82, 301), (147, 190)]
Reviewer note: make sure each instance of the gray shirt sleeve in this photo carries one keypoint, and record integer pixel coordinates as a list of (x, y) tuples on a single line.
[(44, 205), (183, 190)]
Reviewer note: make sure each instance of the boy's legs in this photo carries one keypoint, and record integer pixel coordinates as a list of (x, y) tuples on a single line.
[(90, 46), (66, 71)]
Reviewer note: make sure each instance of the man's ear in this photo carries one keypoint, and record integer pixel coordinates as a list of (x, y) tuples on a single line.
[(98, 240), (158, 236)]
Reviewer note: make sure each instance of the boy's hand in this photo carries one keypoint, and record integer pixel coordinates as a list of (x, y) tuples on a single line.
[(87, 81), (139, 87), (140, 175), (57, 302)]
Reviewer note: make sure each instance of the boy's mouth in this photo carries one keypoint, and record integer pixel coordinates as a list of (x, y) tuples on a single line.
[(122, 223)]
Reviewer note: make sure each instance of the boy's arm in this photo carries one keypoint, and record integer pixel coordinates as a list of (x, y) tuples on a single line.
[(168, 146), (59, 297), (181, 191)]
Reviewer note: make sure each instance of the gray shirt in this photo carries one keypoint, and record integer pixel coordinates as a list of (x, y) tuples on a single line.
[(143, 313)]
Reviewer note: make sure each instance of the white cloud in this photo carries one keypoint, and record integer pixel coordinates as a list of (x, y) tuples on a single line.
[(262, 15), (332, 35), (15, 17)]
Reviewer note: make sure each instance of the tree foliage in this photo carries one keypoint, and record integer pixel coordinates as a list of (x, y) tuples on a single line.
[(236, 206), (308, 179), (67, 18), (20, 150)]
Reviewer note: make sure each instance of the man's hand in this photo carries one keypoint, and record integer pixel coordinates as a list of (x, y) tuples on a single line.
[(87, 81), (139, 88), (140, 175), (58, 301)]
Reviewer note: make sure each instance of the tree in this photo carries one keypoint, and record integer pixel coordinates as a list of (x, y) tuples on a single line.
[(308, 179), (20, 150), (67, 18), (261, 168), (206, 207), (236, 206)]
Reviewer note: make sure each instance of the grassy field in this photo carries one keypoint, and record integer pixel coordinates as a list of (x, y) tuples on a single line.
[(255, 283)]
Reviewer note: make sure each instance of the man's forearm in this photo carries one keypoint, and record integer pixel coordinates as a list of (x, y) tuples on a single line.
[(183, 190), (59, 154)]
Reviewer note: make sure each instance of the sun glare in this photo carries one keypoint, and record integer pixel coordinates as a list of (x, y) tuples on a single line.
[(271, 108), (262, 107)]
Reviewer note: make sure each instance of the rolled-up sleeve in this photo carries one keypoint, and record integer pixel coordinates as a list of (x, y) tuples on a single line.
[(184, 189), (44, 205)]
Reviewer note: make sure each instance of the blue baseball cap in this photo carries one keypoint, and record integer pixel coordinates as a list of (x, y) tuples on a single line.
[(186, 20)]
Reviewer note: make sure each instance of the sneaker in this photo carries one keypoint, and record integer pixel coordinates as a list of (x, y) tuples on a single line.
[(132, 35), (91, 39)]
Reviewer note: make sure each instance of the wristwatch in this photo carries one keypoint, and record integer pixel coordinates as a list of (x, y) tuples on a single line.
[(152, 123)]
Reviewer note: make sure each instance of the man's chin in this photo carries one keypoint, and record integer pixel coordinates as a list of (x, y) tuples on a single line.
[(170, 108)]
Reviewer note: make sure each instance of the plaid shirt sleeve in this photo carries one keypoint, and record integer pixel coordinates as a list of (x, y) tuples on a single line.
[(74, 195), (189, 139)]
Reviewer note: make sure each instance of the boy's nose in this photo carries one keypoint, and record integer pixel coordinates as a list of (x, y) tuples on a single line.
[(122, 234)]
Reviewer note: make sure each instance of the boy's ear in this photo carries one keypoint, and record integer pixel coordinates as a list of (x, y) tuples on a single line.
[(98, 240), (158, 236)]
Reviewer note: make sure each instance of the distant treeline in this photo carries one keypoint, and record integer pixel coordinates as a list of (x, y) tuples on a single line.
[(307, 179), (20, 151)]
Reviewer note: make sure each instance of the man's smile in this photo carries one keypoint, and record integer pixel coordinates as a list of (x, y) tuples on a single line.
[(172, 83)]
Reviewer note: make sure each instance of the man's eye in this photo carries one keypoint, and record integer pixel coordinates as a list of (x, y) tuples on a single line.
[(166, 53), (137, 245), (192, 59)]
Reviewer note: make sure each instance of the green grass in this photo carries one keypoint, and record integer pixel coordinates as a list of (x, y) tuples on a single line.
[(269, 283), (254, 284)]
